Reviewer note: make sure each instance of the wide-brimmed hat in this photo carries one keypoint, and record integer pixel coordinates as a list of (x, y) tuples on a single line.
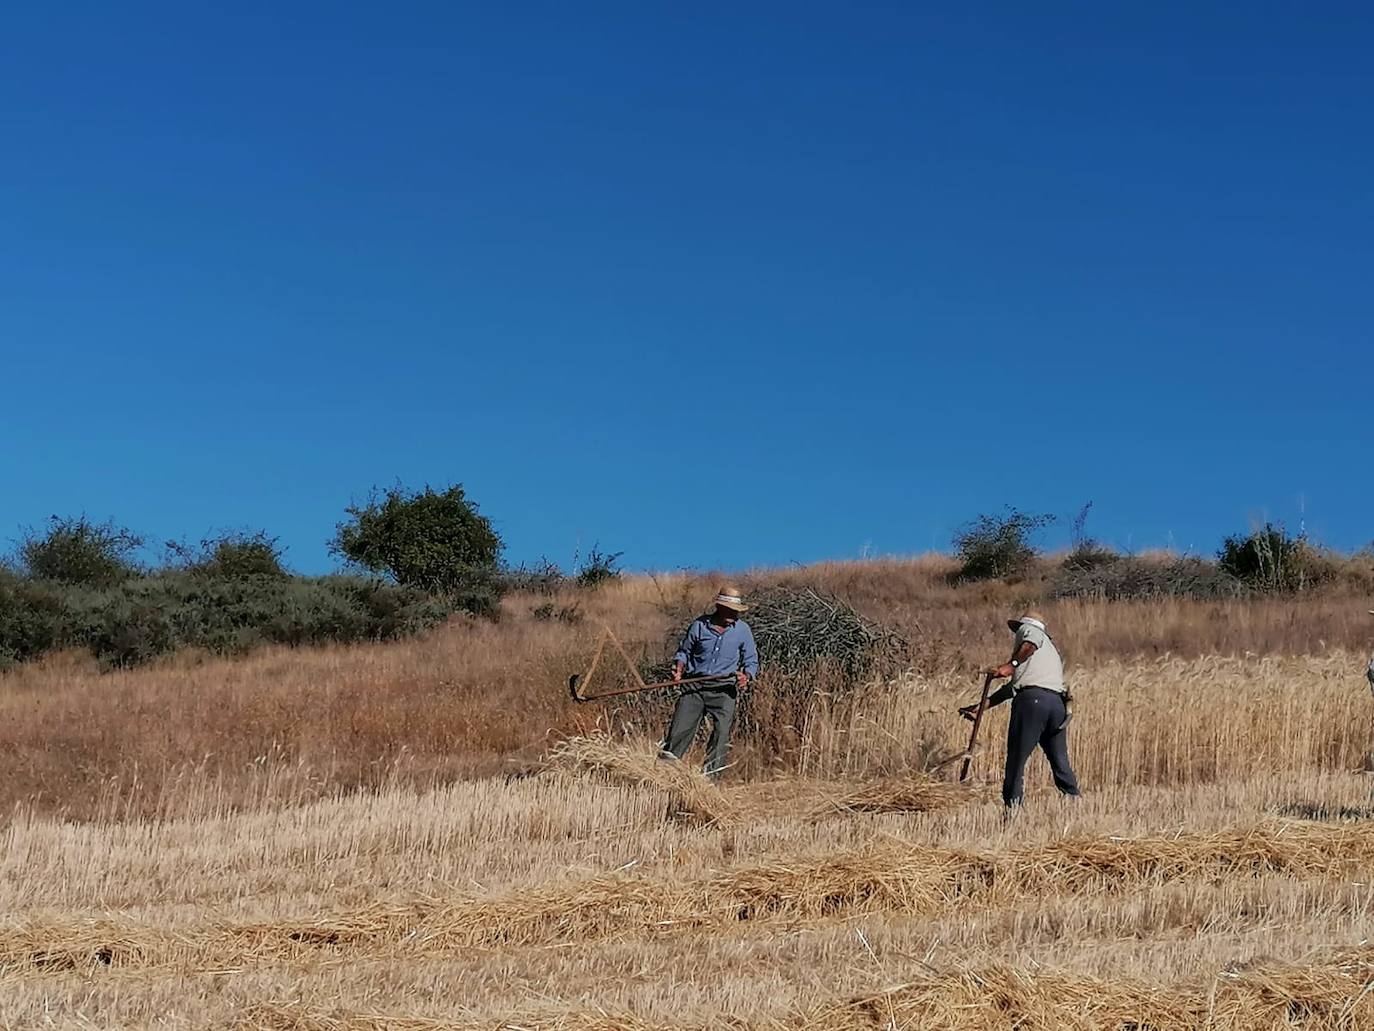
[(731, 597), (1035, 619)]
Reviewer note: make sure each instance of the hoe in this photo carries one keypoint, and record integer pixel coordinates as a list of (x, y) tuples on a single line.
[(578, 682)]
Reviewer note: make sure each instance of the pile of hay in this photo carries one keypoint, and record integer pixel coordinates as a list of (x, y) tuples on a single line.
[(695, 797), (1335, 992), (889, 877), (811, 645), (691, 793), (800, 628)]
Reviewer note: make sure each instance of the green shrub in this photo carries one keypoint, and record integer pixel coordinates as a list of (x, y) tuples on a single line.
[(431, 540), (77, 551), (1270, 560), (150, 616), (1086, 553), (236, 554), (33, 619), (542, 578), (1091, 555), (131, 632), (598, 567), (993, 547)]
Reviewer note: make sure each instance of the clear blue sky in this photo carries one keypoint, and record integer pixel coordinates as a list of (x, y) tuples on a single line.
[(715, 285)]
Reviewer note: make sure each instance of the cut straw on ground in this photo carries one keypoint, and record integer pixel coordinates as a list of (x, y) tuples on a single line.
[(1332, 992), (886, 878), (696, 797)]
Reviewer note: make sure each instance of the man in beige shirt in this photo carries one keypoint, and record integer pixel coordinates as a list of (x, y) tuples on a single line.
[(1039, 707), (1369, 672)]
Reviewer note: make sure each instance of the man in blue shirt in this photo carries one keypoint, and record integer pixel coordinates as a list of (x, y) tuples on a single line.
[(719, 646)]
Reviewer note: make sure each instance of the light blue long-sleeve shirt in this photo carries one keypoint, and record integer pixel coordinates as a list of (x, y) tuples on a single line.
[(708, 651)]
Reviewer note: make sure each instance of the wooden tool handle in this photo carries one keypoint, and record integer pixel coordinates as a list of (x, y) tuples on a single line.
[(977, 722)]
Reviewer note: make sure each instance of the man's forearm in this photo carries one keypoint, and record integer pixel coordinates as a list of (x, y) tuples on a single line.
[(999, 696)]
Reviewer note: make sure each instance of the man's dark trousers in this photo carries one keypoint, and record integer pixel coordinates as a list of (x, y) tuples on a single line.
[(1037, 718), (716, 702)]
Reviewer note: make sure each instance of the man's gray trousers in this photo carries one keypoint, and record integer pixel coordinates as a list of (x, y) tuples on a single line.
[(692, 708), (1037, 718)]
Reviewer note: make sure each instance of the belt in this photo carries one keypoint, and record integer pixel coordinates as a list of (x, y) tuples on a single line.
[(1035, 687), (708, 681)]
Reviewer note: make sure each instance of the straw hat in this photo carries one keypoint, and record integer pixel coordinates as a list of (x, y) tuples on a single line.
[(731, 597), (1034, 618)]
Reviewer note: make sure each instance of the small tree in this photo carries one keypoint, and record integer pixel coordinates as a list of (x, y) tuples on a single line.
[(433, 540), (77, 551), (1269, 559), (1085, 552), (994, 547), (236, 554), (598, 567)]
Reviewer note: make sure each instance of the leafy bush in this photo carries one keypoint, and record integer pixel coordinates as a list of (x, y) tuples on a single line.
[(548, 579), (1269, 559), (77, 551), (232, 555), (33, 619), (993, 547), (598, 567), (131, 632), (430, 540), (543, 578), (150, 616), (1091, 555), (1086, 553)]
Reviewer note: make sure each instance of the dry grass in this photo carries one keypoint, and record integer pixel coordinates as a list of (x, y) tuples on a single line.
[(1332, 993), (691, 795), (476, 698), (201, 854), (884, 877)]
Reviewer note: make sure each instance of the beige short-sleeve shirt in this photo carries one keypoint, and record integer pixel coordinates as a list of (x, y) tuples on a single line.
[(1044, 668)]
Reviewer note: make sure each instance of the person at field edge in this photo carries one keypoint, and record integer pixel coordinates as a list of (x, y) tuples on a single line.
[(719, 646), (1039, 707), (1369, 671)]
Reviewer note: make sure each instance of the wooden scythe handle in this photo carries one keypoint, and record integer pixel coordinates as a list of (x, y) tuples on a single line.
[(977, 722), (578, 683)]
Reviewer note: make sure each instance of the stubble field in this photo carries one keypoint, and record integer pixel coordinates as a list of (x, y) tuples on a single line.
[(394, 837)]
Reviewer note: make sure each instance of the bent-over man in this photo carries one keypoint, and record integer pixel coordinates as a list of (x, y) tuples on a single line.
[(719, 646), (1039, 707)]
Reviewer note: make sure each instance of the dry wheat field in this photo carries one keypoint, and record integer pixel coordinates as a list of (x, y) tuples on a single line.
[(431, 835)]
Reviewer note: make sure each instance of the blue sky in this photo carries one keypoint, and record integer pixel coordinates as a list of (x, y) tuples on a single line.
[(712, 285)]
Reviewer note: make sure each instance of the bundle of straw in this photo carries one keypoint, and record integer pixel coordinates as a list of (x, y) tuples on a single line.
[(696, 797), (691, 793)]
